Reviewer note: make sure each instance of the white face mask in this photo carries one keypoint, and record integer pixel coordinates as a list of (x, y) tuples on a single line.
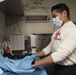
[(57, 22)]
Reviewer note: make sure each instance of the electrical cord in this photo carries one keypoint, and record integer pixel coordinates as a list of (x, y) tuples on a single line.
[(18, 27)]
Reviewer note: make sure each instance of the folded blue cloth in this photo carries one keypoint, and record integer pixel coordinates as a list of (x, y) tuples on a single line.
[(2, 64), (37, 72), (4, 73), (30, 57), (25, 65), (11, 65), (16, 70), (15, 61)]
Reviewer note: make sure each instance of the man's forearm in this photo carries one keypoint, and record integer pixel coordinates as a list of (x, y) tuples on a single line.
[(39, 54), (44, 62)]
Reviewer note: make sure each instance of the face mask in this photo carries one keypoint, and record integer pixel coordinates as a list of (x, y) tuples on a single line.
[(57, 22)]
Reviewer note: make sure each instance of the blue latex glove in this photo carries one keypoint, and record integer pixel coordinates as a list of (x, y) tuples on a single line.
[(30, 57), (25, 65)]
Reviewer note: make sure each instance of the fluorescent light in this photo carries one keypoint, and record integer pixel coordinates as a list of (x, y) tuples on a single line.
[(2, 0)]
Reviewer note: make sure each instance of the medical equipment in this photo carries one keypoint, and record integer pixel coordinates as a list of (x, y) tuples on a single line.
[(17, 44)]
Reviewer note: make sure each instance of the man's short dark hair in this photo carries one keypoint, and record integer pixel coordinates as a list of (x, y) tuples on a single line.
[(60, 8)]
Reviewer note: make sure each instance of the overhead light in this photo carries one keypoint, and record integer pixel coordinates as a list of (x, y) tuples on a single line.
[(2, 0)]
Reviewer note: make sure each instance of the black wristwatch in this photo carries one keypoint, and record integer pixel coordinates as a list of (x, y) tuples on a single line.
[(33, 62)]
